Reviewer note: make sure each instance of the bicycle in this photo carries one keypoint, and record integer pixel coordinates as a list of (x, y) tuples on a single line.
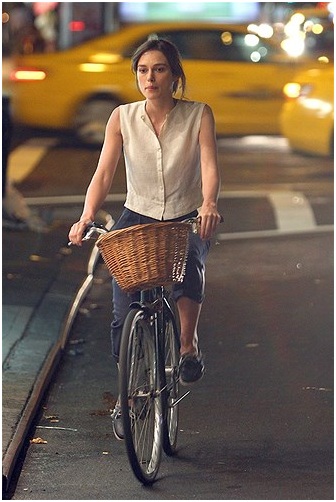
[(150, 342)]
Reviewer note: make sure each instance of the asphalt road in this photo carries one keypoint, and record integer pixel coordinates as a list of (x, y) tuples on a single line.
[(260, 424)]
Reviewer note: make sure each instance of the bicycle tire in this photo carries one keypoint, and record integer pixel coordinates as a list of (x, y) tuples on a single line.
[(140, 397), (170, 380)]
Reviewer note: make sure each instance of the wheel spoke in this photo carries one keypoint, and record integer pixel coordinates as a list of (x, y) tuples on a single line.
[(171, 392), (140, 398)]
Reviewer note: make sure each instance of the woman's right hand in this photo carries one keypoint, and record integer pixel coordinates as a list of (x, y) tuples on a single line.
[(77, 231)]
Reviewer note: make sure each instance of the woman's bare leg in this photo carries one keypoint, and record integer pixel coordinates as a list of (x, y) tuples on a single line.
[(189, 312)]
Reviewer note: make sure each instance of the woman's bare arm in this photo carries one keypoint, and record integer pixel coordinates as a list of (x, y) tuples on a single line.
[(102, 179), (211, 181)]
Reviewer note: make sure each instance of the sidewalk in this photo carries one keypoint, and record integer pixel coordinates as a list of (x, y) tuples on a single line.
[(44, 282)]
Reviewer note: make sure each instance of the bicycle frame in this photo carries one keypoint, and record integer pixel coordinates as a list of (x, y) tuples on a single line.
[(153, 302)]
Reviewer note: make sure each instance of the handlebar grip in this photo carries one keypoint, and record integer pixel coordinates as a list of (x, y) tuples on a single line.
[(90, 229)]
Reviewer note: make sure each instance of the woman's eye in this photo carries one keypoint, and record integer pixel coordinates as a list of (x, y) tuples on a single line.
[(159, 69)]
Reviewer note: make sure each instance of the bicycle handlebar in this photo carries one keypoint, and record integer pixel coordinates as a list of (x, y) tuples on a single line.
[(92, 229), (95, 228)]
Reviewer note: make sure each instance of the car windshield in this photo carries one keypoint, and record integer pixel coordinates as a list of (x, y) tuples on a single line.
[(320, 44), (216, 45)]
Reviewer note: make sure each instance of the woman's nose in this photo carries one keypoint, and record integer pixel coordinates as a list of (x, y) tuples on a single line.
[(150, 76)]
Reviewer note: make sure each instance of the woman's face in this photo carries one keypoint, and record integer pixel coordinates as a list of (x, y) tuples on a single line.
[(154, 75)]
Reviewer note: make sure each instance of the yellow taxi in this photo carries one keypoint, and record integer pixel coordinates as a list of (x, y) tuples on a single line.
[(307, 117), (239, 74)]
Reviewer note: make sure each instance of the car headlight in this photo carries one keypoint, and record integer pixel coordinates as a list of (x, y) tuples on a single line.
[(295, 90)]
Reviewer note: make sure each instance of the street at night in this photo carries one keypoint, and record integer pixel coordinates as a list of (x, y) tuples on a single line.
[(260, 423)]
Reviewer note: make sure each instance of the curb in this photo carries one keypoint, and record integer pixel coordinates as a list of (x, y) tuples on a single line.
[(47, 370)]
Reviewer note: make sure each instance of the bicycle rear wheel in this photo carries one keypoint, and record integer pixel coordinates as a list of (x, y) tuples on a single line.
[(170, 381), (140, 397)]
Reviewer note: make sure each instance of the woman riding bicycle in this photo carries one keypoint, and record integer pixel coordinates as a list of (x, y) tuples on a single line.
[(170, 153)]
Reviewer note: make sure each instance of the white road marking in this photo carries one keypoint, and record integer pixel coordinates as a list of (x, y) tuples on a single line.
[(69, 199), (273, 142), (23, 159), (260, 234), (292, 211)]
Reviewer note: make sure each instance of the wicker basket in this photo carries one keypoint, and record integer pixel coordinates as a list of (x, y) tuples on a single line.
[(144, 256)]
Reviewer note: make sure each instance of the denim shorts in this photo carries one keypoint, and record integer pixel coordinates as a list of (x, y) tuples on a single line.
[(192, 286)]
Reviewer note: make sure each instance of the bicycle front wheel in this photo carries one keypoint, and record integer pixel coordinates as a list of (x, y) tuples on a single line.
[(140, 397)]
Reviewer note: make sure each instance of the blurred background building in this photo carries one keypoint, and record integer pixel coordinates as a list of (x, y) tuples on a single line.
[(29, 27)]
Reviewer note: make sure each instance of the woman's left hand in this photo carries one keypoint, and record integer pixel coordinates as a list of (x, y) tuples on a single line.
[(210, 218)]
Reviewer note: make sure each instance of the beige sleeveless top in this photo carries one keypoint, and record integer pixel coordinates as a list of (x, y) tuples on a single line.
[(163, 172)]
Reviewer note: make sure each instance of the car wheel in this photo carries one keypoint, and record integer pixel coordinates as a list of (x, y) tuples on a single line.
[(91, 120)]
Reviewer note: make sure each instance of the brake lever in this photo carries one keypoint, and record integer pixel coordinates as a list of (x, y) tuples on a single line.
[(90, 230)]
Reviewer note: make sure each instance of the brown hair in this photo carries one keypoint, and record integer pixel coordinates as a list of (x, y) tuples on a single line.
[(172, 55)]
